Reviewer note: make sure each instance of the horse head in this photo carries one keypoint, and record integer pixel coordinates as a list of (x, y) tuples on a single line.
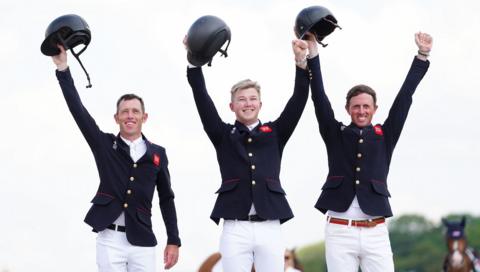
[(457, 260)]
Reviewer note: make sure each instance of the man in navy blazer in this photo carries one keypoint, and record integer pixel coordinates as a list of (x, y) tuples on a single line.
[(130, 167), (251, 199), (355, 194)]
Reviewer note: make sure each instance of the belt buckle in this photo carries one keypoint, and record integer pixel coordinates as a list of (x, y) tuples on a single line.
[(370, 223)]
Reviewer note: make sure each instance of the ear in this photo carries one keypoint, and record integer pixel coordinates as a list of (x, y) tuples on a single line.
[(260, 105), (231, 106), (346, 108), (145, 117), (115, 116)]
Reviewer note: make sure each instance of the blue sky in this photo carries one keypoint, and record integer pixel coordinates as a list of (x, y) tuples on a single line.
[(49, 175)]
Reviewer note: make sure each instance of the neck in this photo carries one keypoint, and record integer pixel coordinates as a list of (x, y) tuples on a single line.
[(248, 123), (131, 138)]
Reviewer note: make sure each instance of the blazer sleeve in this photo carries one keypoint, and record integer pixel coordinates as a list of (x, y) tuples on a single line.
[(323, 109), (167, 204), (84, 121), (398, 113), (212, 123), (288, 119)]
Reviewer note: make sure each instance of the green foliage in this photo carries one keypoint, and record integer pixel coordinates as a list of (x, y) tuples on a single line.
[(312, 257), (418, 244)]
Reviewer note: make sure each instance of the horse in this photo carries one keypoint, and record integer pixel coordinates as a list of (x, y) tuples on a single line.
[(457, 259)]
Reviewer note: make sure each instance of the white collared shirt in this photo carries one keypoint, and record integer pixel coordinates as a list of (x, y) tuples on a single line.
[(138, 148)]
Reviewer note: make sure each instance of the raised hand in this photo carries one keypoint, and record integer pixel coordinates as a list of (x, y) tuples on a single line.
[(424, 42), (60, 60), (300, 51)]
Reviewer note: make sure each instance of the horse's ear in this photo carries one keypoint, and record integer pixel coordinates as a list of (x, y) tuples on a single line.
[(462, 223)]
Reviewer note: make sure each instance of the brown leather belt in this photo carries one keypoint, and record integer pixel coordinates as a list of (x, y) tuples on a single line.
[(368, 223)]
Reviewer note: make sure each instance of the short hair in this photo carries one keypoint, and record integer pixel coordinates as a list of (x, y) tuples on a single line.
[(130, 96), (359, 89), (244, 84)]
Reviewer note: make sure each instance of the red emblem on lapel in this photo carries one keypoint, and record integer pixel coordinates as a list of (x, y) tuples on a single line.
[(265, 128), (156, 159), (378, 130)]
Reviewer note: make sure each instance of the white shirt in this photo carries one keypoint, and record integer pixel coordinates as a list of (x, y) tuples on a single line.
[(354, 212), (138, 148)]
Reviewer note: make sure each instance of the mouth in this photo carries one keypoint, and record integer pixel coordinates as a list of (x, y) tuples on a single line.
[(130, 123)]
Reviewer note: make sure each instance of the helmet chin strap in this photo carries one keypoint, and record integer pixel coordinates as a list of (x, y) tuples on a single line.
[(76, 55), (81, 64), (331, 22), (222, 51)]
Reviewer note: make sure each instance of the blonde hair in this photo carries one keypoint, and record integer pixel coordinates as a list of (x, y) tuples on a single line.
[(244, 84)]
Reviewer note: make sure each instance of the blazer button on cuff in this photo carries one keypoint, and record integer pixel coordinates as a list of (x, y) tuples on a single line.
[(253, 182), (132, 178), (125, 205), (253, 167), (249, 140), (357, 182)]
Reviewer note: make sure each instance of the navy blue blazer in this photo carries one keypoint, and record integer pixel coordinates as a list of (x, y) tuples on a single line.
[(250, 160), (359, 158), (124, 185)]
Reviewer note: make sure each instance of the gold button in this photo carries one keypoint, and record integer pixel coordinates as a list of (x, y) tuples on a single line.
[(359, 155), (250, 154), (249, 140), (360, 141), (132, 178), (134, 165), (357, 182), (253, 182), (129, 192), (253, 167), (357, 169), (125, 205)]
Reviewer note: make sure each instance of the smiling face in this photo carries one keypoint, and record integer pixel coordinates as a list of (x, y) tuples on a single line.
[(130, 117), (361, 109), (246, 104)]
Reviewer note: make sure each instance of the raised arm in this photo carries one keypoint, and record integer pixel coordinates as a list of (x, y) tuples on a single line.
[(84, 121), (401, 105), (212, 123), (288, 119), (323, 108)]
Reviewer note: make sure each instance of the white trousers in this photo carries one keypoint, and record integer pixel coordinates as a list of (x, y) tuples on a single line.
[(116, 254), (245, 243), (348, 247)]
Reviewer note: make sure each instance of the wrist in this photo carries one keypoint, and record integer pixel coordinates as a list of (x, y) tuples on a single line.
[(62, 67), (301, 63), (423, 53)]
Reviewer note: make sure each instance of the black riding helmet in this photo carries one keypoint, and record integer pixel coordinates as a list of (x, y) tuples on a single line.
[(205, 38), (69, 31), (316, 19)]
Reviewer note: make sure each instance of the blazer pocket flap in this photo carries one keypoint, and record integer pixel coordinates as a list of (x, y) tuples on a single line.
[(275, 186), (380, 187), (144, 218), (333, 182), (228, 186), (102, 199)]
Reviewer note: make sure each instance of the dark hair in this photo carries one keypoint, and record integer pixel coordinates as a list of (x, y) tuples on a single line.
[(359, 89), (127, 97)]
